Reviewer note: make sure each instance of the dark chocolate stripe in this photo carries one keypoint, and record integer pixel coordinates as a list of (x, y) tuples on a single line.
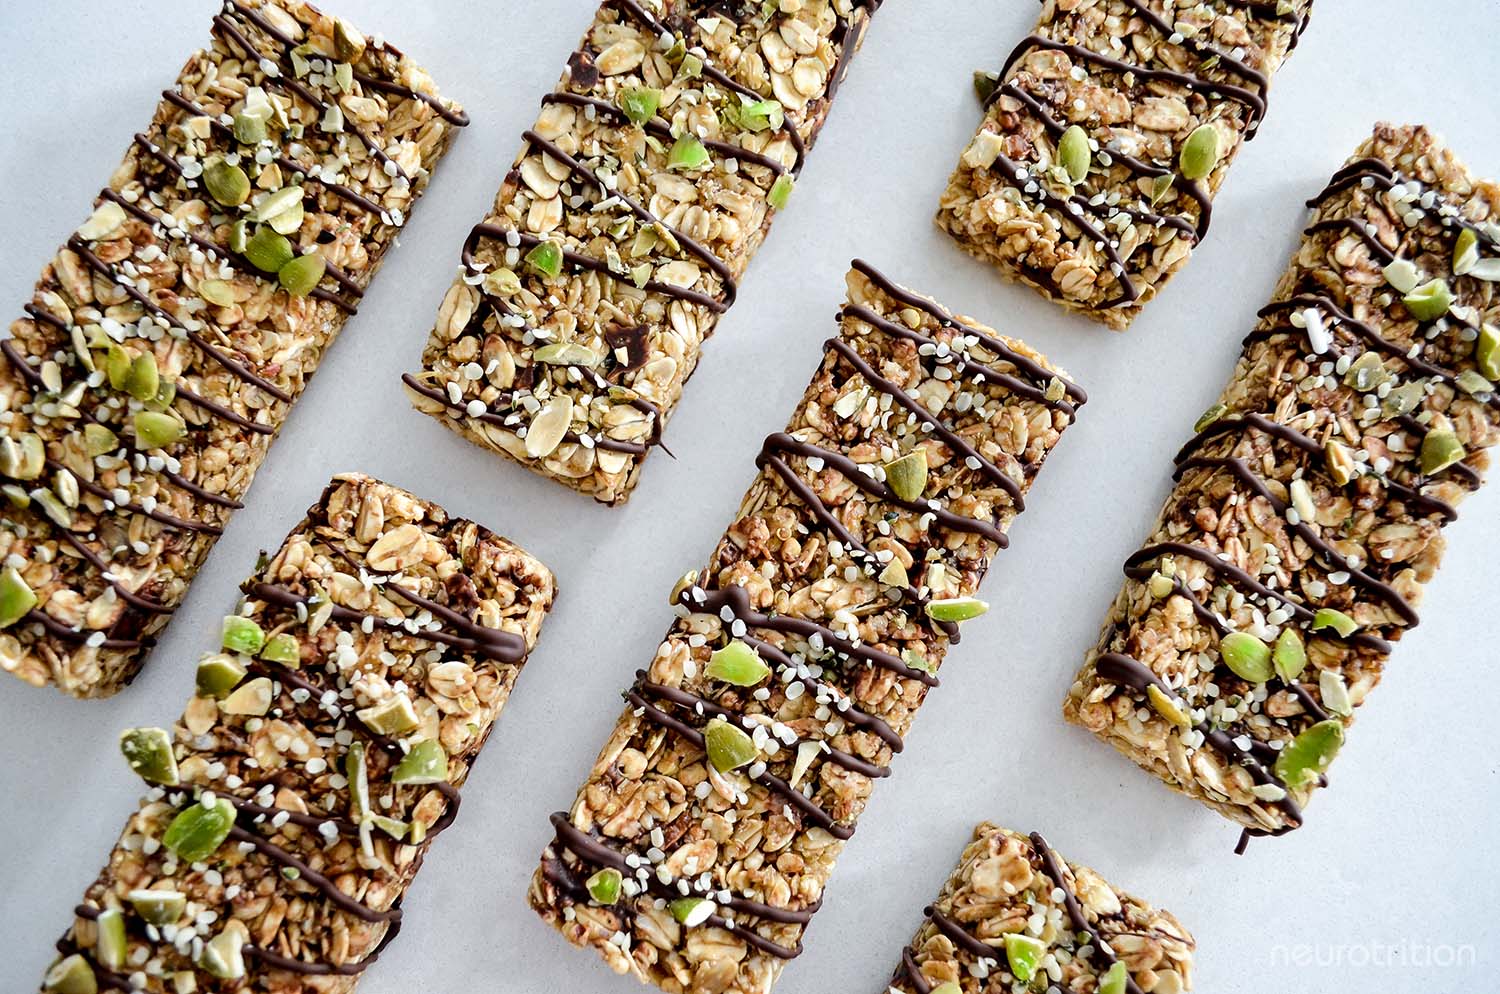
[(813, 811), (1102, 955), (702, 705)]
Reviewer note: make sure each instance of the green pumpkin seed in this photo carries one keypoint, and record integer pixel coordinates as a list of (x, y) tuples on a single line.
[(358, 776), (728, 746), (907, 476), (198, 831), (268, 251), (1429, 301), (781, 191), (252, 699), (22, 456), (392, 716), (241, 634), (691, 911), (566, 354), (1327, 617), (1209, 416), (1024, 954), (223, 955), (287, 200), (1465, 251), (956, 609), (239, 235), (226, 183), (760, 115), (283, 649), (249, 129), (148, 751), (1487, 352), (1116, 979), (16, 597), (1335, 693), (1200, 153), (985, 85), (502, 283), (300, 277), (99, 440), (218, 674), (1309, 754), (220, 293), (155, 430), (1289, 657), (737, 664), (1402, 274), (546, 258), (110, 946), (604, 886), (1470, 382), (687, 153), (158, 907), (1367, 373), (1161, 186), (143, 379), (1074, 154), (640, 103), (1440, 449), (71, 975), (1247, 656), (1404, 399), (1167, 706), (425, 763)]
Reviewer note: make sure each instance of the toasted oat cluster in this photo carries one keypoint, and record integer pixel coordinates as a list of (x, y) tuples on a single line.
[(1106, 136), (698, 849), (1015, 916), (165, 343), (1310, 504), (616, 242), (294, 800)]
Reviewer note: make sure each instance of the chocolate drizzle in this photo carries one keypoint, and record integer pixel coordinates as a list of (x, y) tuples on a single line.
[(595, 852)]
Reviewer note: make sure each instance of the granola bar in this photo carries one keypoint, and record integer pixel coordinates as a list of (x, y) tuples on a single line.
[(1105, 138), (698, 849), (1310, 504), (295, 799), (165, 343), (617, 240), (1015, 916)]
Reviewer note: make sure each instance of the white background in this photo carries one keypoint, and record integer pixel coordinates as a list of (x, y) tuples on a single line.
[(1399, 853)]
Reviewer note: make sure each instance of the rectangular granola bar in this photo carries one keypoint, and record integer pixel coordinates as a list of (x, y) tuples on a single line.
[(295, 799), (1016, 916), (698, 849), (1309, 505), (1105, 138), (616, 241), (166, 342)]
